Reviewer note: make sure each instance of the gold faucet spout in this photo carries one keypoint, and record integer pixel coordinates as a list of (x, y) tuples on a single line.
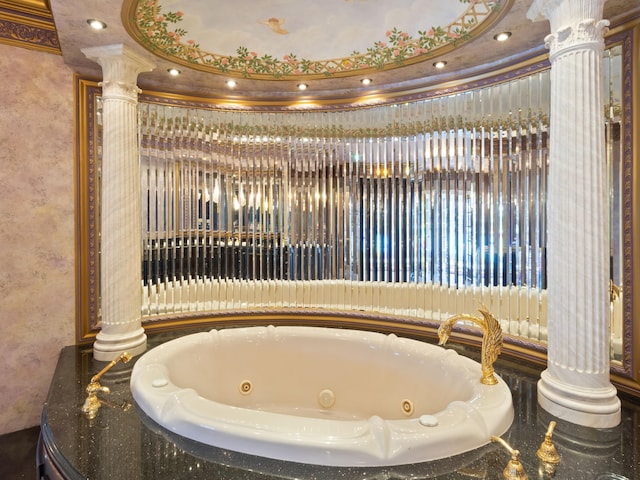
[(491, 340)]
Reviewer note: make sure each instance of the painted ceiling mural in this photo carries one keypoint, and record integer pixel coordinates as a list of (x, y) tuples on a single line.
[(291, 39)]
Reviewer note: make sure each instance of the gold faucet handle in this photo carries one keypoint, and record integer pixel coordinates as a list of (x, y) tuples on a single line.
[(514, 469), (124, 357), (92, 402), (547, 452), (95, 387)]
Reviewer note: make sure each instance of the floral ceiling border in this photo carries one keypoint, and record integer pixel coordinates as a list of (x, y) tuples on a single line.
[(159, 32)]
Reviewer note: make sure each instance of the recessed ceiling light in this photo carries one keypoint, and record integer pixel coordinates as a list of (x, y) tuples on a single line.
[(366, 81), (231, 83), (502, 36), (440, 64), (302, 86), (174, 72), (96, 24)]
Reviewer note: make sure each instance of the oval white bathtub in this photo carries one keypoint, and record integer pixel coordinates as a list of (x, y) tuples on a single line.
[(321, 395)]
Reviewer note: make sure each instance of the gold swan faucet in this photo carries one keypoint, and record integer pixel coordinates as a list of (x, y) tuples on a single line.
[(491, 349), (491, 340)]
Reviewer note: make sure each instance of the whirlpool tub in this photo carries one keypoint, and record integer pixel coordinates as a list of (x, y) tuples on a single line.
[(321, 396)]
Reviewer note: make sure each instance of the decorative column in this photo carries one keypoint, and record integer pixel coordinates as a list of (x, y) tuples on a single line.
[(120, 242), (575, 386)]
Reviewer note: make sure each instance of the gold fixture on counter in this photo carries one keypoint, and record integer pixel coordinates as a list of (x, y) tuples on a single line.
[(491, 340), (514, 469), (92, 402), (547, 452)]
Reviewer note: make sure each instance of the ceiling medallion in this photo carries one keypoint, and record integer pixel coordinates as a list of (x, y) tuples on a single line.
[(178, 35)]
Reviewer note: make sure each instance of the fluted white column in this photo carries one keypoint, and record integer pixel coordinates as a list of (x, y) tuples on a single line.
[(576, 385), (120, 247)]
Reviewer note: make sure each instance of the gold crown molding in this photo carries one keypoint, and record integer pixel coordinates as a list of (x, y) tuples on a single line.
[(28, 24), (21, 19), (31, 8)]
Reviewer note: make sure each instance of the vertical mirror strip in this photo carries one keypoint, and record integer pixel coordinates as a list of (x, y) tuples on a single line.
[(613, 96)]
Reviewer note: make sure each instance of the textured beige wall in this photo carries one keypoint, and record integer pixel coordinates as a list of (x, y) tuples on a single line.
[(37, 304)]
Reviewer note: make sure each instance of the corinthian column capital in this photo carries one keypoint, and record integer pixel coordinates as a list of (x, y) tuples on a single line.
[(120, 69), (574, 23), (585, 32)]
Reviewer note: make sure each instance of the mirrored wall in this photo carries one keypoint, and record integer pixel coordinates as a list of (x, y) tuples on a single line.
[(422, 209), (415, 210)]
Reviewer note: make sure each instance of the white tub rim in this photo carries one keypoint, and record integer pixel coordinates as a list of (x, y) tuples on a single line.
[(182, 411)]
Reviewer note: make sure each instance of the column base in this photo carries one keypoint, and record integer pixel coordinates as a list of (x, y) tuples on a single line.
[(109, 345), (589, 407)]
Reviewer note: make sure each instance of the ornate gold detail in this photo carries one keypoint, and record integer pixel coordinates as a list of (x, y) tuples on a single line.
[(30, 36), (514, 469), (491, 339), (92, 403), (547, 452), (28, 24), (614, 291)]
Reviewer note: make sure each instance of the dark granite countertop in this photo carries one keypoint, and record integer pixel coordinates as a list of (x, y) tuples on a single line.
[(124, 444)]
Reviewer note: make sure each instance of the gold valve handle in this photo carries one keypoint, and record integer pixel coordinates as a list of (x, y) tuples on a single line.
[(514, 469), (124, 357), (547, 453), (92, 403)]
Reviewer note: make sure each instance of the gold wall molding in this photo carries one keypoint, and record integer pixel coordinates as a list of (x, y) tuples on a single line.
[(28, 24), (629, 373), (87, 222)]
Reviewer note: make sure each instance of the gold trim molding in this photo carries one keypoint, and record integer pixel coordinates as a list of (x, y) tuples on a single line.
[(28, 24)]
